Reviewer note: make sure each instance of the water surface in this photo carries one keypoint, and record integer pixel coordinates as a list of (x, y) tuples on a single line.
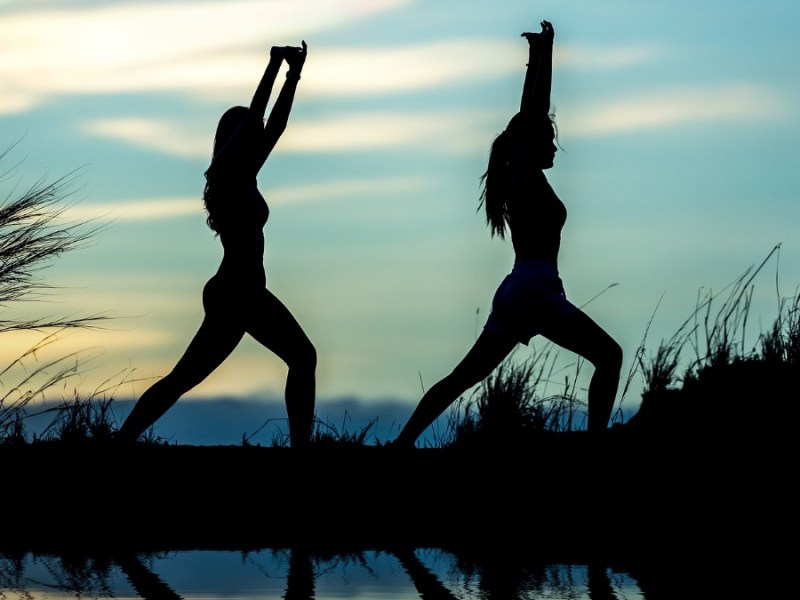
[(295, 574)]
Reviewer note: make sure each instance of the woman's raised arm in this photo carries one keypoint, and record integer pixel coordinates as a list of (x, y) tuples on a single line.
[(539, 73), (279, 115), (258, 105)]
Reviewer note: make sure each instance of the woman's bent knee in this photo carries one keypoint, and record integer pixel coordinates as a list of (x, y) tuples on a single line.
[(611, 357), (304, 357)]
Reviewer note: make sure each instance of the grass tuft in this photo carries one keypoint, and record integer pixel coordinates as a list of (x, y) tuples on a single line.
[(33, 232)]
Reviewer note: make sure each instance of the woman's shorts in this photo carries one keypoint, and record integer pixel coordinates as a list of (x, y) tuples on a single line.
[(529, 301)]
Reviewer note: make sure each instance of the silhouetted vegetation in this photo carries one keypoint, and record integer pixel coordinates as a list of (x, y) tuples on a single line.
[(725, 383), (711, 386), (34, 230), (514, 401)]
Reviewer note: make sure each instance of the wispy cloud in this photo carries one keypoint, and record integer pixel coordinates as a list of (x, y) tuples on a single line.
[(86, 342), (358, 71), (436, 131), (136, 210), (174, 137), (668, 107), (217, 49), (151, 209), (607, 58), (356, 131), (380, 70), (155, 45), (349, 188)]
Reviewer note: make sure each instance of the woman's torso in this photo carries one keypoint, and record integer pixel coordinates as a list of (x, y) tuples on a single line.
[(535, 217), (240, 225), (240, 212)]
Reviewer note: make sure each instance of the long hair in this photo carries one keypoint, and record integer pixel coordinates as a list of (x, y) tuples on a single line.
[(495, 181), (228, 123), (494, 186)]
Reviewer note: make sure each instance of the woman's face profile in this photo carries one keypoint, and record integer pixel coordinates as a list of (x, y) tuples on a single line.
[(532, 141), (536, 146), (546, 147)]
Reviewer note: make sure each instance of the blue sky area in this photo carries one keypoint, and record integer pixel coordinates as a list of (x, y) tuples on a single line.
[(678, 165)]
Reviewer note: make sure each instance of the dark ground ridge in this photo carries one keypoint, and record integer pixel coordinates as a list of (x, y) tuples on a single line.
[(632, 494)]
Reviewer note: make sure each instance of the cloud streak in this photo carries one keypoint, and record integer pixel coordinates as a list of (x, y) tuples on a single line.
[(152, 209), (345, 131), (84, 342), (436, 131), (138, 210), (383, 70), (155, 45), (665, 108), (459, 131), (349, 188), (216, 50), (606, 58), (172, 136)]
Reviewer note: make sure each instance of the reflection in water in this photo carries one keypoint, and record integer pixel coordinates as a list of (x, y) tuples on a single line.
[(146, 583), (305, 574), (599, 584), (426, 583), (300, 578)]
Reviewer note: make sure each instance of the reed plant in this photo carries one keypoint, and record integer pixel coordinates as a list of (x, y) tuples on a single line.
[(725, 383), (512, 403), (715, 331), (324, 433), (34, 231)]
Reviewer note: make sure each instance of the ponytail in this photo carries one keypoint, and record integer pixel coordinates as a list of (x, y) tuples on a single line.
[(494, 183)]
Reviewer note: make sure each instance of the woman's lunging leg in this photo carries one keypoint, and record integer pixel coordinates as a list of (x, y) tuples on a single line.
[(485, 355), (211, 345), (603, 392), (275, 328), (580, 334)]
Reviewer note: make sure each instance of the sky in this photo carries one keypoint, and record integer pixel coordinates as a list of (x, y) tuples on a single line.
[(678, 136)]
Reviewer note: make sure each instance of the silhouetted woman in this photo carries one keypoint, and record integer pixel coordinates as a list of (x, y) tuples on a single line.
[(530, 301), (235, 299)]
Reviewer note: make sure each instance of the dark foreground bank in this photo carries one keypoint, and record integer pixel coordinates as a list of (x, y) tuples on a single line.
[(633, 494)]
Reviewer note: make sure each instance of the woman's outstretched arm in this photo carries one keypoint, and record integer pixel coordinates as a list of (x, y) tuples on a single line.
[(279, 115), (258, 105), (539, 73)]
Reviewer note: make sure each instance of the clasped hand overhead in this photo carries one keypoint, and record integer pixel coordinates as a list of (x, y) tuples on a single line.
[(295, 56), (542, 40)]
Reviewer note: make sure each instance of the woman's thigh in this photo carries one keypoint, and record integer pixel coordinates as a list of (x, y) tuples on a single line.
[(579, 333), (271, 323), (211, 345)]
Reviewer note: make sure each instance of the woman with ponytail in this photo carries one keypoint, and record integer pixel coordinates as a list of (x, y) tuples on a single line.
[(236, 299), (530, 301)]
